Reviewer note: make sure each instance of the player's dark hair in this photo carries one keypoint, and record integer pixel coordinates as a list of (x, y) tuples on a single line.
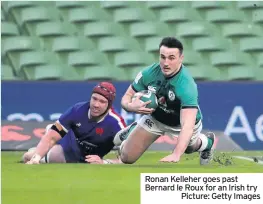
[(172, 42)]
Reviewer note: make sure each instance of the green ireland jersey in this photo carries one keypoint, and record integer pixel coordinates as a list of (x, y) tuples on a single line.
[(173, 93)]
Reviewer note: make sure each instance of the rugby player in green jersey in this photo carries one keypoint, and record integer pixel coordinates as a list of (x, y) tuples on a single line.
[(177, 114)]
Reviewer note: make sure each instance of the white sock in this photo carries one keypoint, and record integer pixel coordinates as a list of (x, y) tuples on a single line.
[(45, 158), (204, 141)]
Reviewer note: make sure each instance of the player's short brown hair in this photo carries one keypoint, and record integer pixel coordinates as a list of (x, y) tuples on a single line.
[(172, 42)]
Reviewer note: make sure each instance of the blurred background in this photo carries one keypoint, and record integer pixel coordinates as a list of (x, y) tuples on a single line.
[(53, 53)]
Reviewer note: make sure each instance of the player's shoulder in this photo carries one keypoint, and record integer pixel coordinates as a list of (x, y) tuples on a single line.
[(184, 78), (151, 68), (81, 105), (148, 72), (184, 83), (115, 119)]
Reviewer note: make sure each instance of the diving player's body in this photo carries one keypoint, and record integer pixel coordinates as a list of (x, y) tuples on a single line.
[(84, 133), (178, 111)]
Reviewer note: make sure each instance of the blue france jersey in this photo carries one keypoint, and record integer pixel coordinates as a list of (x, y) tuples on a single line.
[(86, 136)]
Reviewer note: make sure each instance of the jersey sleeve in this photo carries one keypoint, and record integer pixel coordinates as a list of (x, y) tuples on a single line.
[(188, 96), (116, 127), (140, 82), (66, 119), (117, 122)]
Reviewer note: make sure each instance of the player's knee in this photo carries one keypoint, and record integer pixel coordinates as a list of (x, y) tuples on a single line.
[(124, 156), (55, 155), (126, 159)]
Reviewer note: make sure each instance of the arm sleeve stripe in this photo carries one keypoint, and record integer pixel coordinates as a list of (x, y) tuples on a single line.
[(134, 88), (62, 126), (118, 118), (185, 107)]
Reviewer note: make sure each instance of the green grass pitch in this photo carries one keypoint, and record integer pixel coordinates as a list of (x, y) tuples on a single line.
[(101, 184)]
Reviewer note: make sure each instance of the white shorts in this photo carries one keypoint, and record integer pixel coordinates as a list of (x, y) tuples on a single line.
[(153, 126)]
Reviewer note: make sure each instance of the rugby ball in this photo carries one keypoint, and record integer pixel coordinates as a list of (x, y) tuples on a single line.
[(147, 95)]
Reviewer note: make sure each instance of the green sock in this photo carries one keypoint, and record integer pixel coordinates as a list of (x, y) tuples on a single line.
[(209, 144)]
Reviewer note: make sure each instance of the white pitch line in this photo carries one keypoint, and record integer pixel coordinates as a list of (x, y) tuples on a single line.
[(249, 159)]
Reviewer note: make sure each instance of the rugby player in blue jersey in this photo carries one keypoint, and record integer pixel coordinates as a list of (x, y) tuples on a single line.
[(83, 134)]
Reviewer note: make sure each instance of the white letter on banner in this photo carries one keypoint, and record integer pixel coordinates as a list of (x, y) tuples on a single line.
[(259, 127), (238, 113)]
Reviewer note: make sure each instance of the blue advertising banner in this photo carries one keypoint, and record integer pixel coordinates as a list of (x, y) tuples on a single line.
[(235, 109)]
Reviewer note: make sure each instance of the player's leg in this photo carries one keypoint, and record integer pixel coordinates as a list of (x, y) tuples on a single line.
[(139, 140), (198, 143), (123, 134), (202, 143), (55, 155), (207, 154), (70, 149)]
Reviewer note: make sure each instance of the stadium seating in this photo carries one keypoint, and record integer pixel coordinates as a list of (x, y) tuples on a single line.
[(257, 16), (78, 40), (174, 15), (43, 72), (8, 29), (222, 59), (159, 4), (7, 72), (260, 61), (252, 44), (207, 44), (249, 5), (223, 16), (207, 5), (114, 4)]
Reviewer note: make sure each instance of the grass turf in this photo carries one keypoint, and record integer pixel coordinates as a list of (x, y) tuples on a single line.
[(101, 184)]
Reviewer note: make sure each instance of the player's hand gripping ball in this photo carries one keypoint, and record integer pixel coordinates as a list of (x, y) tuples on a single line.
[(147, 95)]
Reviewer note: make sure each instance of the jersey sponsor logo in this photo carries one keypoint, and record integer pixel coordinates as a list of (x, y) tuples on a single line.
[(163, 105), (149, 123), (152, 89), (170, 111), (139, 75), (171, 95), (99, 131)]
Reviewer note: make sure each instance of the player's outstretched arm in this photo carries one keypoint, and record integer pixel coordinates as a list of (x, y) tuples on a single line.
[(188, 122), (47, 142), (95, 159)]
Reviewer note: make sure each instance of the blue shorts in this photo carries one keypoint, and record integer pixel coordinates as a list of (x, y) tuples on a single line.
[(71, 150)]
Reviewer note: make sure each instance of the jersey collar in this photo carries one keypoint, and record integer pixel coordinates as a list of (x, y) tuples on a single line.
[(99, 120)]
